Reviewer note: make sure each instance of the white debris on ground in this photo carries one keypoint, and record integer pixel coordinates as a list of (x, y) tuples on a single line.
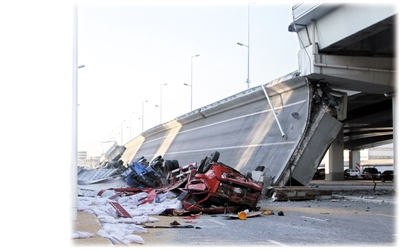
[(124, 230), (81, 235)]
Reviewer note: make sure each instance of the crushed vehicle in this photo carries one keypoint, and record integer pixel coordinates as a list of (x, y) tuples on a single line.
[(219, 188), (142, 174), (211, 187)]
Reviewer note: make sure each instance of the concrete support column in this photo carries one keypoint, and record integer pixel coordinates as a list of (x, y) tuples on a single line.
[(334, 163), (354, 159)]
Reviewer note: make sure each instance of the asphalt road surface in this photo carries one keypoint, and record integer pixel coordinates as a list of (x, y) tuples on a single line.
[(354, 216), (357, 216), (335, 222)]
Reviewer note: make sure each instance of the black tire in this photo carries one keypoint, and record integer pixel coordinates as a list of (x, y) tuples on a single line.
[(214, 156), (200, 169), (249, 175), (175, 163), (207, 167), (169, 165)]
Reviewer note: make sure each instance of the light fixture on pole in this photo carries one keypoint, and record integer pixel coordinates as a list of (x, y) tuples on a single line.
[(143, 114), (248, 45), (161, 101), (248, 64), (191, 81)]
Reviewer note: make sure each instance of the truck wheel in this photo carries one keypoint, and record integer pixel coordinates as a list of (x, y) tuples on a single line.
[(175, 163), (169, 166), (249, 175), (215, 156)]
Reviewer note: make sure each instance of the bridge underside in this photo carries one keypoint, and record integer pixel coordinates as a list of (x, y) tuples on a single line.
[(353, 48)]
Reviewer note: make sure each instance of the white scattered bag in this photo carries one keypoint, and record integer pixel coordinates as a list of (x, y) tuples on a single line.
[(101, 201), (135, 219), (114, 237), (133, 199), (152, 219), (157, 210), (131, 227), (137, 229), (160, 197), (135, 212), (134, 238), (112, 212), (107, 193), (81, 235), (107, 219), (173, 204)]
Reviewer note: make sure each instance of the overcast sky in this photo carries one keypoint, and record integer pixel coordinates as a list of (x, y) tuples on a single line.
[(130, 50)]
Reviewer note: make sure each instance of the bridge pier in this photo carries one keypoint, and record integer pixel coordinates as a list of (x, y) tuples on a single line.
[(354, 159), (334, 160)]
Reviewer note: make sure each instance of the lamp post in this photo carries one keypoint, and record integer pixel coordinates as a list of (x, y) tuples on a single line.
[(191, 81), (74, 149), (248, 46), (161, 101), (248, 64), (143, 114)]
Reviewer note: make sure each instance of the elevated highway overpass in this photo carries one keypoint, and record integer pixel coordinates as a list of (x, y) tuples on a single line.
[(353, 48), (341, 97)]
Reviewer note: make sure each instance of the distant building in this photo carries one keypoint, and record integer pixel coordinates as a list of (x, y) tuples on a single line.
[(82, 156), (381, 152), (377, 156)]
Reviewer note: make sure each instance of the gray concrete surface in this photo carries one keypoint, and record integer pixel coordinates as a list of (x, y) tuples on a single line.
[(288, 133)]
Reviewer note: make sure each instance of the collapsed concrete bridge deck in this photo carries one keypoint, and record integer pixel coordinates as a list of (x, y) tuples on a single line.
[(286, 126)]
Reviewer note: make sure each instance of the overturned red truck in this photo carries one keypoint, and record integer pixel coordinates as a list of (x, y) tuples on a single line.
[(217, 188), (212, 187)]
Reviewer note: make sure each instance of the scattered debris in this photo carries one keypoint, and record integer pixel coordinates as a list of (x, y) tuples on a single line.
[(299, 193), (243, 215), (81, 235), (172, 226), (268, 212)]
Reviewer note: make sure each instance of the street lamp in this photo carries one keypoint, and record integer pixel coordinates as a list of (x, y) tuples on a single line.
[(248, 45), (74, 146), (161, 101), (143, 114), (191, 81), (248, 64)]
